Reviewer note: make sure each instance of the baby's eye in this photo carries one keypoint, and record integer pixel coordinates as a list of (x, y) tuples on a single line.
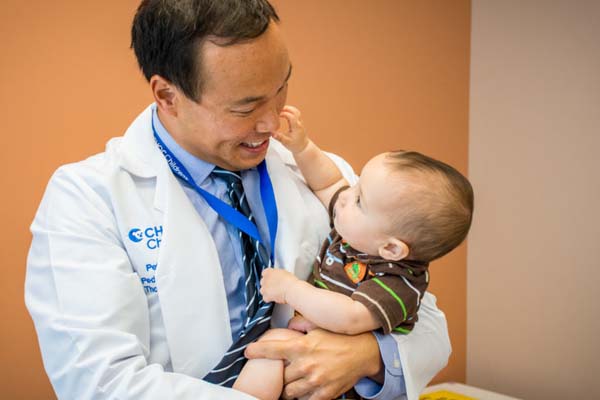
[(358, 201)]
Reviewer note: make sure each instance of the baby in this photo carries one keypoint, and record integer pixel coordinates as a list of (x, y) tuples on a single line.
[(405, 211)]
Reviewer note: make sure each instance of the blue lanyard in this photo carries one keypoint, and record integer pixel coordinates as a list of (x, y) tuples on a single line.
[(228, 213)]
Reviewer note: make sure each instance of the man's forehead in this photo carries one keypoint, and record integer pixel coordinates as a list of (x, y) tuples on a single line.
[(239, 101), (251, 68)]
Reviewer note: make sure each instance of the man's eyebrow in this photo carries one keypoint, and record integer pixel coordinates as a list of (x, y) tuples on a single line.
[(254, 99)]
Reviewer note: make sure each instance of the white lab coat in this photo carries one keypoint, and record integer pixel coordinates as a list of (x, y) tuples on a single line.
[(95, 262)]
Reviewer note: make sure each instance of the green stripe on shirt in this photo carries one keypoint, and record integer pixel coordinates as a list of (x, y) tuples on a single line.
[(394, 295), (318, 282)]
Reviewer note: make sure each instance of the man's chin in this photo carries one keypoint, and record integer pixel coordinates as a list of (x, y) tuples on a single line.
[(241, 164)]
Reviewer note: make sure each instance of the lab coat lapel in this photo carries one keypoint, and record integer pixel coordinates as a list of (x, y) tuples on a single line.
[(190, 285), (189, 279)]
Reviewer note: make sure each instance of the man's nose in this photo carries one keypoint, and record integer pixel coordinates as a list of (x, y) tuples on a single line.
[(269, 121)]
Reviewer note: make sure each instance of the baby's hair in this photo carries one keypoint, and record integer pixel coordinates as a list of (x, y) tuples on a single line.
[(436, 207)]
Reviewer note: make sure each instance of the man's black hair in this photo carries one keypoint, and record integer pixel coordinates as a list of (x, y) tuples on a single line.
[(167, 34)]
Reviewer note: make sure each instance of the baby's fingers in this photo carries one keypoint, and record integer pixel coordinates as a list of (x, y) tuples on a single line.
[(292, 136), (291, 109), (292, 116)]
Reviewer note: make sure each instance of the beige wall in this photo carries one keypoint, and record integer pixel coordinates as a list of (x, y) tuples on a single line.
[(533, 262), (369, 76)]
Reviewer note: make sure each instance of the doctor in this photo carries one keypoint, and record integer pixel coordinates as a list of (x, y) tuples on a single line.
[(136, 285)]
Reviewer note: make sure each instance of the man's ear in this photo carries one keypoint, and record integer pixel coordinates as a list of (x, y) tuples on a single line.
[(165, 94), (394, 249)]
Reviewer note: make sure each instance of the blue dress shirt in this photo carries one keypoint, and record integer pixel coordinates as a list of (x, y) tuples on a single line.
[(230, 255)]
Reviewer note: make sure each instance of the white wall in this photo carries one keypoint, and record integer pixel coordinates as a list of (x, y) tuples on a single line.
[(533, 316)]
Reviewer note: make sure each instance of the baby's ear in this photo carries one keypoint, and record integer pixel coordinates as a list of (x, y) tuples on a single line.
[(394, 249)]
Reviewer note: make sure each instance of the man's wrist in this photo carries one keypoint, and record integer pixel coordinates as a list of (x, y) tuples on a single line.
[(393, 385), (374, 367), (378, 376)]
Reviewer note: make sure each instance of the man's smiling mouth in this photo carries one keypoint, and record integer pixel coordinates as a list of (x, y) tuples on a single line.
[(253, 144)]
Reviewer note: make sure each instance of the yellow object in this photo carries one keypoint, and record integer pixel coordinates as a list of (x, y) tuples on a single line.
[(444, 395)]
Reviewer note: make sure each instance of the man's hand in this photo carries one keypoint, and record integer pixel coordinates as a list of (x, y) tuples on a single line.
[(294, 138), (321, 364), (275, 283)]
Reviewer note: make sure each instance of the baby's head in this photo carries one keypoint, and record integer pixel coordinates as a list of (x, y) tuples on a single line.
[(406, 205)]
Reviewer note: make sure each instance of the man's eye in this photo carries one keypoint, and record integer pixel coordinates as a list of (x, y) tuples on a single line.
[(243, 112)]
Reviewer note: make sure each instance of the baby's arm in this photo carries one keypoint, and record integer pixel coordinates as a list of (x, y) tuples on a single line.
[(321, 174), (329, 310)]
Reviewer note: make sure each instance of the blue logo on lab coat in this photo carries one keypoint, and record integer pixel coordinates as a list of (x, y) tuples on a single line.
[(151, 235), (136, 235)]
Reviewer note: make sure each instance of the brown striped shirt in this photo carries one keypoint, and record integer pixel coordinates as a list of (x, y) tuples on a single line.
[(391, 290)]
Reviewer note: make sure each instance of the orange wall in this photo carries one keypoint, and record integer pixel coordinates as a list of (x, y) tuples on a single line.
[(390, 75)]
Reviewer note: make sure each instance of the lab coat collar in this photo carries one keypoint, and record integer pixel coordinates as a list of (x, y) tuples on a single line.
[(139, 155), (138, 152), (198, 168)]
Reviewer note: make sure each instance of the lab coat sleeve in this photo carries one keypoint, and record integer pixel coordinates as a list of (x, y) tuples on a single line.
[(88, 305), (344, 167), (425, 351)]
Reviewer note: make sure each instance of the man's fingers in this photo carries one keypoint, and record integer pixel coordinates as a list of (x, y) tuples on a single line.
[(271, 349), (293, 372), (321, 394), (296, 389), (298, 384)]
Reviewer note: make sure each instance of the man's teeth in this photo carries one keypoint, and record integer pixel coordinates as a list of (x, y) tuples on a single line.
[(253, 144)]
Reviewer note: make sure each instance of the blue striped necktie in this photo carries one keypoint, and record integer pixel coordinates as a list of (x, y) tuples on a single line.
[(255, 258), (254, 255)]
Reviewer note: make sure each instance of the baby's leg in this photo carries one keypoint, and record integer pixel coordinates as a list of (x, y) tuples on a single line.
[(263, 378)]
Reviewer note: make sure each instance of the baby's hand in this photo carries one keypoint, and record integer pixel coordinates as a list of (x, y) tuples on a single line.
[(275, 283), (295, 139)]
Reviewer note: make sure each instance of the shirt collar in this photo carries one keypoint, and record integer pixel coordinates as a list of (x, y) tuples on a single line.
[(199, 169)]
